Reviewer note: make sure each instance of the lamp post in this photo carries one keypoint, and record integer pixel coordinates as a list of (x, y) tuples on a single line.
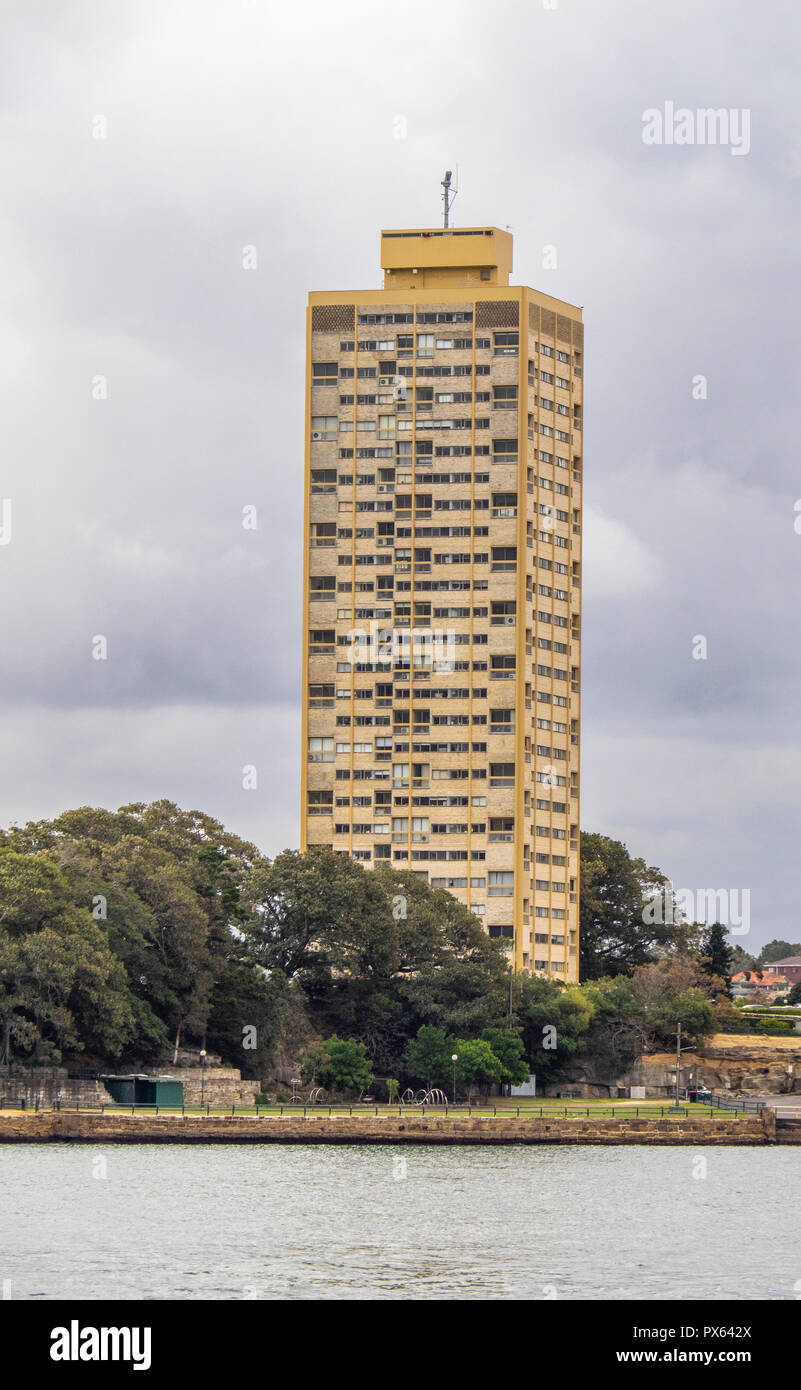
[(679, 1050), (202, 1077), (454, 1059)]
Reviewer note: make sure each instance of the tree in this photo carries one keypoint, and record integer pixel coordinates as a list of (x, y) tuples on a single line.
[(375, 954), (317, 913), (165, 889), (555, 1021), (340, 1064), (794, 997), (668, 994), (459, 981), (245, 1017), (627, 914), (476, 1063), (508, 1048), (428, 1056), (60, 985), (716, 955), (743, 963), (778, 950)]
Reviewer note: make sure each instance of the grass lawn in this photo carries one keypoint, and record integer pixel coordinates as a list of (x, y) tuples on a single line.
[(502, 1107)]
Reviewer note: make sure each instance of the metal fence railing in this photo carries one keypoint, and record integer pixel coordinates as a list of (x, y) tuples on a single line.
[(743, 1105), (482, 1111)]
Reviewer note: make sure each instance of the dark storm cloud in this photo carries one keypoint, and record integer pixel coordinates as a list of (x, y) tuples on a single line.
[(302, 131)]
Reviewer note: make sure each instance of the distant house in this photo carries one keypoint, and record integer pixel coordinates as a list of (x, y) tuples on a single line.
[(790, 968), (767, 988)]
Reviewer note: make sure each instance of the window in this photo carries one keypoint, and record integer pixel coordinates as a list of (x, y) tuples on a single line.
[(324, 427), (321, 697), (504, 557), (501, 829), (501, 884), (321, 750), (504, 397), (504, 504), (504, 451), (324, 373)]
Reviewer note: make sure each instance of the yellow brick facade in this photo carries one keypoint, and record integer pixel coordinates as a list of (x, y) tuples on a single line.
[(443, 476)]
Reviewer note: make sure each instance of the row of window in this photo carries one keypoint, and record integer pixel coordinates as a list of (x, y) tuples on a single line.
[(387, 475), (444, 316), (503, 343), (326, 480), (402, 557), (384, 582), (324, 748), (324, 431)]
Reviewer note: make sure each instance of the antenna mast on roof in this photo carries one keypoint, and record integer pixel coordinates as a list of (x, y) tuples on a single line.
[(447, 197)]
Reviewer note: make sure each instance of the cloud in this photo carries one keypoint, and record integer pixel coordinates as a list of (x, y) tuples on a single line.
[(615, 563)]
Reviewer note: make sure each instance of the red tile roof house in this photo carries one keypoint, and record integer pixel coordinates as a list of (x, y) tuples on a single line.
[(769, 987)]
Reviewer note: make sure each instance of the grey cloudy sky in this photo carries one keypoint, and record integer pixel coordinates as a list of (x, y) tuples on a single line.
[(253, 123)]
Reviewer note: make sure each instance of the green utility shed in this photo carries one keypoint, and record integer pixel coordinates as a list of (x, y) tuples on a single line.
[(145, 1090)]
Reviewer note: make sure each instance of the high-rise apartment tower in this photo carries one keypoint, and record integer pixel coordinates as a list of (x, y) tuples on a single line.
[(442, 584)]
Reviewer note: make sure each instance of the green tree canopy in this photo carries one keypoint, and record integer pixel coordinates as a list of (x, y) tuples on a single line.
[(627, 910), (60, 984), (476, 1062), (778, 950), (716, 955), (427, 1058), (509, 1049), (338, 1064)]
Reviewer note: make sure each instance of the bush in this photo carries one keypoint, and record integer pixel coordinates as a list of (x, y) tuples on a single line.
[(339, 1064), (768, 1027)]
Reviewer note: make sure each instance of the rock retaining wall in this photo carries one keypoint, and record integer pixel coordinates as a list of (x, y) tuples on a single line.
[(58, 1126)]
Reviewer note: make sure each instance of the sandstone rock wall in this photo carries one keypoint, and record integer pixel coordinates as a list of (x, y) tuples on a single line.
[(60, 1126)]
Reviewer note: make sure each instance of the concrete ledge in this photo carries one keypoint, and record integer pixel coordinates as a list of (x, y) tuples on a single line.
[(50, 1127)]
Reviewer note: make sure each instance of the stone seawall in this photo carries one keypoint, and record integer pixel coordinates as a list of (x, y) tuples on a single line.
[(60, 1127)]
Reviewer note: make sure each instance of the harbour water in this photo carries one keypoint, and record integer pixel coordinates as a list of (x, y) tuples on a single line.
[(389, 1222)]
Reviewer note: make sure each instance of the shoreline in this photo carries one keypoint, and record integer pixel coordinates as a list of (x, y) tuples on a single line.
[(53, 1127)]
